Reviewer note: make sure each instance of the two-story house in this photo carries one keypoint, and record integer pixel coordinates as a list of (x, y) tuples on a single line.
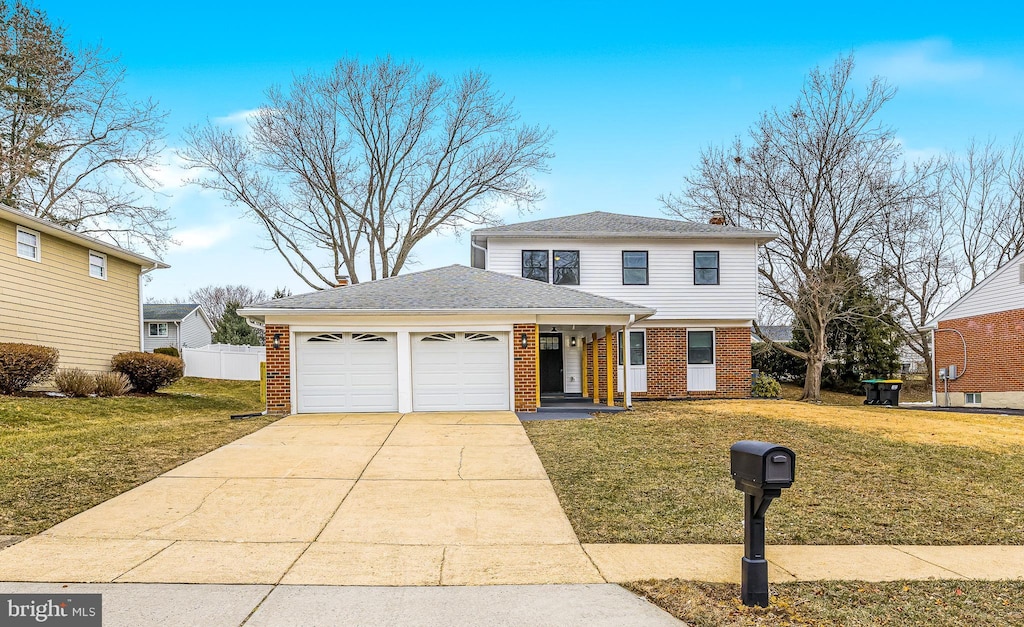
[(541, 314), (69, 291)]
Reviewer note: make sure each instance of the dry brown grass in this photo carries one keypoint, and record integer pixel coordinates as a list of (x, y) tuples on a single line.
[(660, 474), (843, 603)]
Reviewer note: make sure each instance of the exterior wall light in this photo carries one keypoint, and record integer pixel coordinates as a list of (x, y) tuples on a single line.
[(572, 341), (523, 341), (277, 341)]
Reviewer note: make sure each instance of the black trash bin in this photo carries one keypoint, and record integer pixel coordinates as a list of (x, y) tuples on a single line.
[(871, 390), (889, 392)]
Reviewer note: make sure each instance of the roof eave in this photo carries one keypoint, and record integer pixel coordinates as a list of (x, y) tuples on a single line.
[(92, 243), (547, 311), (760, 237)]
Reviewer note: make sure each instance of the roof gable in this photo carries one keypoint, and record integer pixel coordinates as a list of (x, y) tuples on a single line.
[(601, 224), (451, 288), (1001, 290)]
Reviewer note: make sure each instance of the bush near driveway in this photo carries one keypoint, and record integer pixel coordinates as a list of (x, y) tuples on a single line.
[(148, 372), (60, 456), (21, 365), (660, 474)]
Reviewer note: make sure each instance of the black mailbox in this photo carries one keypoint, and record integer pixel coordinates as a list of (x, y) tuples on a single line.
[(761, 470), (762, 465)]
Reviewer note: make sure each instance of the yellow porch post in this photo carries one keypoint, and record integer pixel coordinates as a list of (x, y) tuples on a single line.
[(583, 360), (597, 371), (609, 358)]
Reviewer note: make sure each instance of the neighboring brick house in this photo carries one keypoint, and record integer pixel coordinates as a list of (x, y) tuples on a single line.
[(982, 336), (540, 317)]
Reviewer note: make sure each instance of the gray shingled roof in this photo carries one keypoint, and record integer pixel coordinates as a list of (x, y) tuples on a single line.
[(451, 288), (167, 311), (602, 224)]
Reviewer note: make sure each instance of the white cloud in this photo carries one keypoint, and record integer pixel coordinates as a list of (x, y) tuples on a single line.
[(202, 237), (930, 61), (238, 118), (171, 174), (916, 154)]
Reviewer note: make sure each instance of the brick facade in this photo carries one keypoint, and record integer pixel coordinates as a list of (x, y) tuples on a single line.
[(279, 367), (525, 366), (995, 353), (666, 364)]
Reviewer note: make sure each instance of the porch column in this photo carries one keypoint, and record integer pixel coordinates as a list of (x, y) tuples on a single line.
[(583, 362), (597, 371), (609, 359), (627, 361)]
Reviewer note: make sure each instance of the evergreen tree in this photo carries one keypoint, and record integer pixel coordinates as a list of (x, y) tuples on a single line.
[(233, 329)]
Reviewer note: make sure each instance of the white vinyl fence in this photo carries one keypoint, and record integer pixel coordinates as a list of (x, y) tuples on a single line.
[(224, 361)]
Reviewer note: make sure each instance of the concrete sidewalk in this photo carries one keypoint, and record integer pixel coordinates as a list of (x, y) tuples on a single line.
[(721, 562), (157, 605)]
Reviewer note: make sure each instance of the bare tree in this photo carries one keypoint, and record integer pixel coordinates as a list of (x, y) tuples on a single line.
[(215, 298), (822, 174), (353, 168), (74, 148)]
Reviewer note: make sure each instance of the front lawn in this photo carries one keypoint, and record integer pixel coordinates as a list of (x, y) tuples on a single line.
[(60, 456), (864, 475), (844, 603)]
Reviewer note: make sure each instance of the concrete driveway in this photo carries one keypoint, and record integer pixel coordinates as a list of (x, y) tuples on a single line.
[(338, 499)]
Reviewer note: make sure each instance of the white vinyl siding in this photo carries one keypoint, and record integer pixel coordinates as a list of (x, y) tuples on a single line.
[(670, 287), (154, 341), (1003, 291), (194, 331)]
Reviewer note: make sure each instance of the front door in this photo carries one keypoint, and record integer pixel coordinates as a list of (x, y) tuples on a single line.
[(551, 379)]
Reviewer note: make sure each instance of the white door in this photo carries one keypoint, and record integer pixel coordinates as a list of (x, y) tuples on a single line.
[(346, 372), (460, 371), (638, 361), (700, 361)]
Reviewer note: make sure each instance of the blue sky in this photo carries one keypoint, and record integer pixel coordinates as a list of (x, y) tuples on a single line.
[(633, 91)]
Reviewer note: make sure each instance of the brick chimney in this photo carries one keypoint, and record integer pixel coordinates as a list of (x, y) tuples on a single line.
[(717, 217), (342, 280)]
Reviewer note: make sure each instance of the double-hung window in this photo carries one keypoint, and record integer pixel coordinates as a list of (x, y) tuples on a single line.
[(535, 265), (28, 244), (97, 265), (705, 268), (566, 267), (157, 329), (700, 347), (634, 267), (637, 354)]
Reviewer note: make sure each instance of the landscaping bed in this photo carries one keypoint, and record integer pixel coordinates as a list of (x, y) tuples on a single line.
[(60, 456), (843, 603), (864, 475)]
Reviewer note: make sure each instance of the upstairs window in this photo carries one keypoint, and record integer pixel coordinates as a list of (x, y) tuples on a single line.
[(157, 329), (567, 267), (535, 265), (634, 267), (28, 244), (705, 268), (97, 265)]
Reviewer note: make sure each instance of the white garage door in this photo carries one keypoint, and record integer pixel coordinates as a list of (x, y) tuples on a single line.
[(460, 371), (346, 372)]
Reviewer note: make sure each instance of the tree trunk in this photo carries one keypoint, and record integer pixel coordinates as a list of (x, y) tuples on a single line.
[(812, 379)]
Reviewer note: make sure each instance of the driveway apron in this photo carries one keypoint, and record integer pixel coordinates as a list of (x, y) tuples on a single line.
[(330, 499)]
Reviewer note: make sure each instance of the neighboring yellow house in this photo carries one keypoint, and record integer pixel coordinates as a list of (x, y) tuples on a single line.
[(70, 291)]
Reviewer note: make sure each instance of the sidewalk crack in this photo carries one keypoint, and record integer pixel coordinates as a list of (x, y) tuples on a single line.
[(917, 557), (462, 451), (444, 557)]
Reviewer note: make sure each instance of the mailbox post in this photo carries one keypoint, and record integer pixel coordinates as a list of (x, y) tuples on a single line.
[(761, 471)]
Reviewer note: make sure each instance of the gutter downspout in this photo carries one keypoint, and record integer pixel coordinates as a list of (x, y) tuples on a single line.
[(476, 246), (935, 374), (142, 318)]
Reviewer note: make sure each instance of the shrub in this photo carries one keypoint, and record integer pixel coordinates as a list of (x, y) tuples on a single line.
[(112, 384), (74, 382), (148, 371), (766, 386), (167, 350), (21, 365)]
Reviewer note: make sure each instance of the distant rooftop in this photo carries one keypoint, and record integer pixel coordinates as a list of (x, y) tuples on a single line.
[(168, 311), (603, 224)]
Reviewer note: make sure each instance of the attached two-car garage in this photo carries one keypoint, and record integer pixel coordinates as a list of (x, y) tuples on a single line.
[(360, 372)]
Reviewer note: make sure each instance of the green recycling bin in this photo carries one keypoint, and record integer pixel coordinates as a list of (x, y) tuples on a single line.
[(871, 390), (889, 392)]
